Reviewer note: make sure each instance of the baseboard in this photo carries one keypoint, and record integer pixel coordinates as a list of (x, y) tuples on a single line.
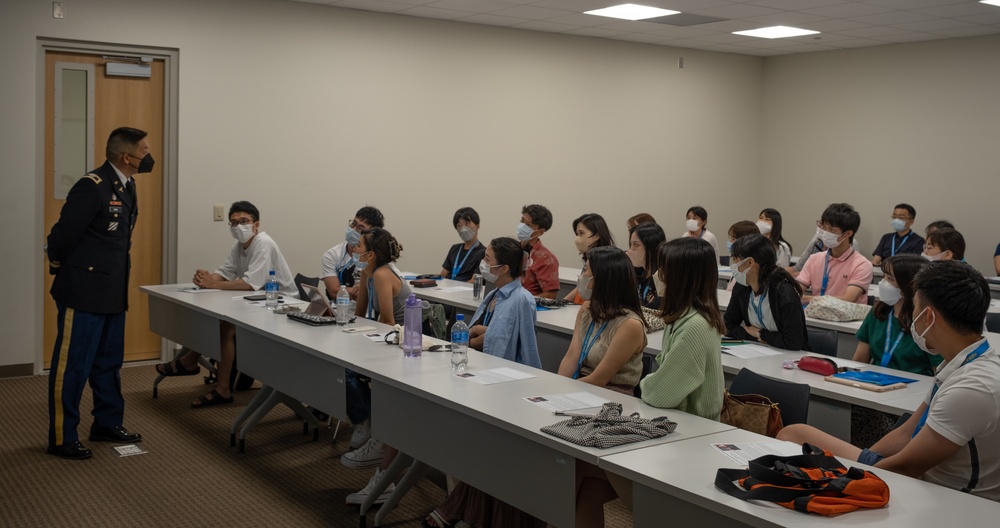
[(17, 371)]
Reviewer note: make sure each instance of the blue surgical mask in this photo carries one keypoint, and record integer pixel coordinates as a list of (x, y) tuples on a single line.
[(729, 246), (351, 236), (524, 232), (898, 224), (358, 265)]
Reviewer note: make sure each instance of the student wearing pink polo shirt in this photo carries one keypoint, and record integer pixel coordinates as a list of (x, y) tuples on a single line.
[(840, 271)]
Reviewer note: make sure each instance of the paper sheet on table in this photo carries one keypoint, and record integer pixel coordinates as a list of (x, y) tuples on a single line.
[(195, 289), (567, 402), (743, 453), (497, 375), (748, 350), (454, 289), (129, 450)]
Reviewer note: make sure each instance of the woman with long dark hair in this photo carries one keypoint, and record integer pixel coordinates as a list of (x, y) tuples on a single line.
[(590, 231), (769, 223), (643, 241)]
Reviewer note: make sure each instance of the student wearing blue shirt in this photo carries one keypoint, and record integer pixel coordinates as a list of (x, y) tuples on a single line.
[(504, 323), (462, 261), (902, 239)]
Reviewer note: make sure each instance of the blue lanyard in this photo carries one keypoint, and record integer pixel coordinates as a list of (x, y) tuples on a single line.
[(371, 297), (888, 351), (900, 244), (487, 311), (343, 267), (826, 273), (644, 293), (758, 308), (588, 343), (974, 355), (458, 265)]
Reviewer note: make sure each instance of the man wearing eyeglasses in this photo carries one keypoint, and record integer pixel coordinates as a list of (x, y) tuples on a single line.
[(247, 268), (339, 262)]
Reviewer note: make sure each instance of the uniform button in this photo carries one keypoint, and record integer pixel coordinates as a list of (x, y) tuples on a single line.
[(116, 216), (91, 268)]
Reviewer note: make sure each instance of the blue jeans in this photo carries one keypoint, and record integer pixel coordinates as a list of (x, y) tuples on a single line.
[(359, 397)]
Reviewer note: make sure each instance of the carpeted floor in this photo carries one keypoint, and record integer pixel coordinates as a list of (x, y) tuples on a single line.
[(190, 476)]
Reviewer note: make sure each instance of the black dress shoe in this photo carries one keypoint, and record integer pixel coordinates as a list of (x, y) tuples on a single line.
[(74, 451), (113, 434)]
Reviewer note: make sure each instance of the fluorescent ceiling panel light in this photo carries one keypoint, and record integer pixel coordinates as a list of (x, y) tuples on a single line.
[(990, 2), (631, 12), (776, 32)]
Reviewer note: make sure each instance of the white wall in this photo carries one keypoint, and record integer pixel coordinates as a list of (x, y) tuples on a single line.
[(310, 112), (917, 123)]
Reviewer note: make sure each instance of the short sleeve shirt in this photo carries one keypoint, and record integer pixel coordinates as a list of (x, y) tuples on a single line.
[(467, 262), (911, 243), (543, 274), (254, 264), (336, 261), (850, 269), (906, 356)]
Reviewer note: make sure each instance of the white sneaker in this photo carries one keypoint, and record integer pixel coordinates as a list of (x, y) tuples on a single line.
[(360, 496), (368, 455), (362, 432)]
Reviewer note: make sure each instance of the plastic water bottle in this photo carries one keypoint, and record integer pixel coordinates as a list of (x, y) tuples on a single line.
[(271, 291), (413, 319), (343, 306), (459, 344)]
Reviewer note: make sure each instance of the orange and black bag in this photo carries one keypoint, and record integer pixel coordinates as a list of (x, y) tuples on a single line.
[(813, 482)]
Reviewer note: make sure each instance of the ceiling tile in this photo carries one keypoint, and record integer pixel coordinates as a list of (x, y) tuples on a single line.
[(835, 24), (681, 32), (431, 12), (958, 10), (914, 4), (684, 6), (531, 12), (630, 26), (856, 43), (848, 10), (594, 32), (642, 37), (793, 5), (934, 25), (472, 6), (809, 48), (895, 17), (971, 31), (736, 11), (872, 31), (545, 25), (492, 20), (911, 37), (580, 20), (727, 26), (987, 19), (765, 52), (373, 5), (788, 18), (575, 6)]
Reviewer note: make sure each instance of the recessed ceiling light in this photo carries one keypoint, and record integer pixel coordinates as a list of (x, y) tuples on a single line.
[(631, 12), (776, 32), (990, 2)]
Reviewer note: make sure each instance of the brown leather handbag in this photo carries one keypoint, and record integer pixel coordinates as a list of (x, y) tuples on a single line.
[(751, 412)]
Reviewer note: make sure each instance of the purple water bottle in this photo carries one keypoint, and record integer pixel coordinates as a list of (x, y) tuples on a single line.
[(413, 317)]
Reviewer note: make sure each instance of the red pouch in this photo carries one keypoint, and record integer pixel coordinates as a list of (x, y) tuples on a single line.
[(818, 365)]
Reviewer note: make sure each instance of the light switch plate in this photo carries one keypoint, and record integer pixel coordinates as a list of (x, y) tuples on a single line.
[(58, 10), (218, 212)]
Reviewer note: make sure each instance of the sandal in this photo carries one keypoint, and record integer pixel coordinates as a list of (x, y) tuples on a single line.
[(439, 521), (175, 368), (215, 399)]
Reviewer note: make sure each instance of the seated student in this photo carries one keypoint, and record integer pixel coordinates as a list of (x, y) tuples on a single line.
[(541, 278), (641, 218), (591, 231), (815, 245), (953, 438), (766, 305), (935, 225), (644, 239), (459, 266), (694, 227), (840, 270), (944, 244), (503, 326), (736, 231), (610, 331), (247, 268), (902, 239), (339, 261), (769, 224), (884, 337), (504, 323)]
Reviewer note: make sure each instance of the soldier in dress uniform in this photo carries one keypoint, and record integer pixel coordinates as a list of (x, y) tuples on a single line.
[(88, 252)]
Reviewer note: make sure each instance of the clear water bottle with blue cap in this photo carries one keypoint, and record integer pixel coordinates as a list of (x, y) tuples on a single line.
[(459, 344), (271, 291)]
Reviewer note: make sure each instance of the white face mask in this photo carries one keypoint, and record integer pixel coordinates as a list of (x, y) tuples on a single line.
[(484, 270), (932, 258), (919, 339), (243, 233), (691, 225), (740, 276), (523, 232), (830, 240), (661, 287), (583, 287), (888, 293), (898, 224), (764, 227), (466, 233), (582, 243)]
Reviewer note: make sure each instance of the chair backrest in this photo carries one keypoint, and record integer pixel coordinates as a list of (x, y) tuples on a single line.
[(792, 398), (648, 366), (822, 341), (301, 279), (993, 322)]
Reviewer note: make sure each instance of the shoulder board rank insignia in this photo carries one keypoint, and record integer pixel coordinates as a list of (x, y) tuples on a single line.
[(96, 179)]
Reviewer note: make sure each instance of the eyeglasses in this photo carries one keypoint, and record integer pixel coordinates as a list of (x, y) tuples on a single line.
[(900, 217), (928, 247), (353, 224), (241, 221)]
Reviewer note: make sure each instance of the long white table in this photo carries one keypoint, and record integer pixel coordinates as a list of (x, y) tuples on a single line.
[(675, 484)]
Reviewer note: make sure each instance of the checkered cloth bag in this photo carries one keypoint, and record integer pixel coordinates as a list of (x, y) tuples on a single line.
[(608, 428)]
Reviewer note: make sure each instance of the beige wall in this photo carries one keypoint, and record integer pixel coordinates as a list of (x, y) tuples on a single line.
[(311, 111), (916, 123)]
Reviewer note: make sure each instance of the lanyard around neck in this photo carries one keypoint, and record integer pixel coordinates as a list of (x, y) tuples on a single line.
[(588, 343), (888, 351), (758, 308), (901, 243), (458, 265), (974, 355)]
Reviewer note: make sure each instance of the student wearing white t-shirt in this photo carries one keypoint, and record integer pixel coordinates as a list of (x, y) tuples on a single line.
[(339, 262), (694, 226), (247, 268), (953, 438)]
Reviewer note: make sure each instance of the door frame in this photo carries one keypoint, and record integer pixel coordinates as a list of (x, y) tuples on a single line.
[(169, 157)]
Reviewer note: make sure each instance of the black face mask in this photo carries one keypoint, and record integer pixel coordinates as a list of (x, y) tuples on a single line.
[(145, 164)]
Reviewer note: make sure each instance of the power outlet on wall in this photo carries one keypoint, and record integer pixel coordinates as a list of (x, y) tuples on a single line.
[(58, 10), (218, 212)]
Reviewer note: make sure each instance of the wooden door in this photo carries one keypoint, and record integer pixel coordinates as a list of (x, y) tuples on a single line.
[(117, 101)]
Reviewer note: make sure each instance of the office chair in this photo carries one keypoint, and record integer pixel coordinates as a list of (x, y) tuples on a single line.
[(648, 366), (822, 341), (792, 398), (301, 279), (993, 322)]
